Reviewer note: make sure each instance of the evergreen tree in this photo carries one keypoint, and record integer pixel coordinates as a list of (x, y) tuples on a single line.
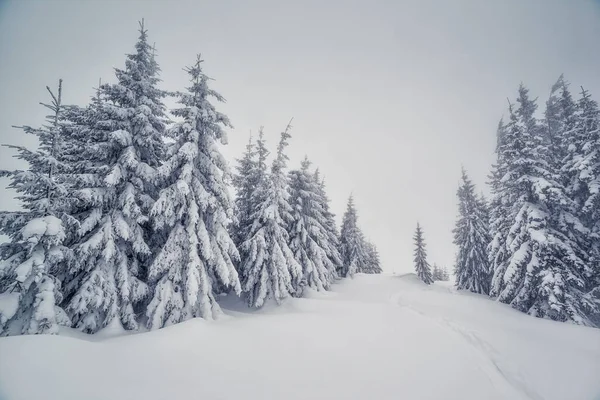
[(193, 210), (352, 243), (373, 263), (471, 235), (245, 182), (499, 211), (545, 265), (114, 250), (35, 253), (307, 231), (445, 276), (421, 265), (332, 241), (437, 273), (268, 269)]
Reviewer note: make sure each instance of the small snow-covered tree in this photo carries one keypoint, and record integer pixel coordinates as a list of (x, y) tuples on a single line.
[(437, 273), (114, 251), (268, 269), (422, 267), (373, 263), (352, 243), (471, 235), (35, 254), (193, 210), (309, 239)]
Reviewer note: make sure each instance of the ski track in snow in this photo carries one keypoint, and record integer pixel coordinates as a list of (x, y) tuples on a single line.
[(496, 367)]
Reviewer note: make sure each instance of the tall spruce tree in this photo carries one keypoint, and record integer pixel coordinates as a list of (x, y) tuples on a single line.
[(545, 263), (193, 210), (268, 269), (309, 240), (471, 235), (113, 254), (352, 243), (36, 253), (422, 267)]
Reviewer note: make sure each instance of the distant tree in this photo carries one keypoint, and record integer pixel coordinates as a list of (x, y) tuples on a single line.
[(471, 235), (268, 268), (352, 244), (422, 267), (437, 273), (373, 263)]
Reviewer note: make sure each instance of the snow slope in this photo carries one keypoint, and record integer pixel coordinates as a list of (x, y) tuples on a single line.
[(374, 337)]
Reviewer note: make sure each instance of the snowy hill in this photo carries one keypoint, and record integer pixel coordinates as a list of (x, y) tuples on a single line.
[(374, 337)]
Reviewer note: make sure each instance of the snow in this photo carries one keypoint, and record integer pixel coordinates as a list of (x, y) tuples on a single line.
[(372, 337)]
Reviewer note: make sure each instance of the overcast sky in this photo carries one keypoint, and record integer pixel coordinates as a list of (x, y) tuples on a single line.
[(389, 98)]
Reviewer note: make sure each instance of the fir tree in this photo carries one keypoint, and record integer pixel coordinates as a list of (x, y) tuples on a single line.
[(437, 273), (193, 210), (307, 231), (244, 182), (422, 267), (332, 241), (268, 269), (114, 251), (471, 235), (352, 244), (35, 253), (373, 263), (545, 265)]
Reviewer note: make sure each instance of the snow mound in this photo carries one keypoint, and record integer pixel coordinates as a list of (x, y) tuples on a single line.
[(373, 337)]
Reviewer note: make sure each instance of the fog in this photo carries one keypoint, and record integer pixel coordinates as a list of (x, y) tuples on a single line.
[(389, 98)]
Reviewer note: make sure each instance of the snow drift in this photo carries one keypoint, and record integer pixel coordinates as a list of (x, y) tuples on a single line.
[(373, 337)]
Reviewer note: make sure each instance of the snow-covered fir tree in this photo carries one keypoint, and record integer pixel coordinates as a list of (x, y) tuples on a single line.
[(499, 212), (309, 239), (582, 171), (114, 252), (445, 276), (352, 243), (193, 211), (422, 267), (244, 183), (35, 254), (373, 263), (333, 242), (268, 269), (471, 236), (545, 266), (436, 273)]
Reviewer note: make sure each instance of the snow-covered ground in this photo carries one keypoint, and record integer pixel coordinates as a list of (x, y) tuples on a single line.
[(373, 337)]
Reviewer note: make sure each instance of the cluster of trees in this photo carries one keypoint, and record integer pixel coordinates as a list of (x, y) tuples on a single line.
[(127, 215), (536, 245), (285, 230)]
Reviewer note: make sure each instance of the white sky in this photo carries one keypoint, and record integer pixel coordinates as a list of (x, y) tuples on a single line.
[(389, 98)]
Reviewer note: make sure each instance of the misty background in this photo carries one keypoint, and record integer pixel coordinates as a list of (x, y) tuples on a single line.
[(389, 98)]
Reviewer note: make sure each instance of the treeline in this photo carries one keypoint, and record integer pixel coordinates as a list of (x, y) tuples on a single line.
[(127, 216), (536, 245)]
